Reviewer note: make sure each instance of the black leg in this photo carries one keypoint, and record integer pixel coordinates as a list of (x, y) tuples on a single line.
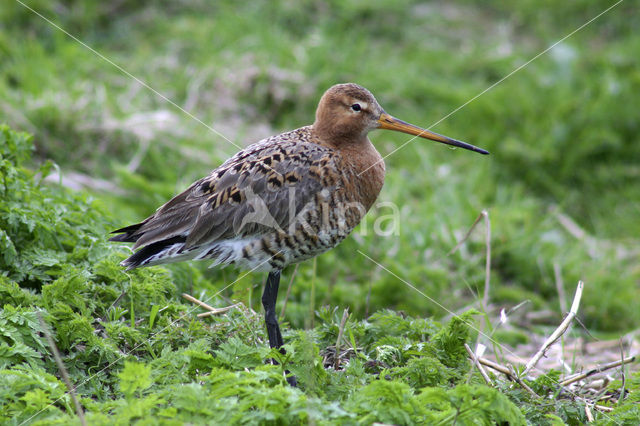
[(269, 298)]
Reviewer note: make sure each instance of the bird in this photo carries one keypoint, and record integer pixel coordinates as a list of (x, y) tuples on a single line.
[(281, 200)]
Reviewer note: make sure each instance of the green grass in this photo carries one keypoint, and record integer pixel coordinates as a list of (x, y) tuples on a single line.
[(562, 134)]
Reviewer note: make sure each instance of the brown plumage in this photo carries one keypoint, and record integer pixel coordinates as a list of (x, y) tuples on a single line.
[(263, 208), (279, 201)]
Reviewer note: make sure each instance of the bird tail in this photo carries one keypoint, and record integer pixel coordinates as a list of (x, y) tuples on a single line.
[(128, 234), (166, 250)]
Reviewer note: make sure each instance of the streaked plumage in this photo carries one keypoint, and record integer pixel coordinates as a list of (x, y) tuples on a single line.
[(279, 201), (292, 174)]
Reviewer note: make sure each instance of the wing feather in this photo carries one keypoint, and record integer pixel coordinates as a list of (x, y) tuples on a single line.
[(231, 201)]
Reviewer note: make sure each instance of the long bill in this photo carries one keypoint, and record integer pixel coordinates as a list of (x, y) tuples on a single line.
[(389, 122)]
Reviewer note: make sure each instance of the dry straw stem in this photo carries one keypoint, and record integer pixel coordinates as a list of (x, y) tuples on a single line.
[(603, 408), (284, 305), (560, 287), (511, 375), (624, 378), (487, 272), (596, 406), (487, 269), (592, 244), (480, 368), (63, 370), (483, 214), (345, 315), (217, 311), (587, 411), (559, 331), (576, 231), (211, 309), (597, 370), (500, 368), (519, 381)]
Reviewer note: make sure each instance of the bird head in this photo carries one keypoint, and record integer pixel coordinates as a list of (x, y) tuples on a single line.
[(348, 112)]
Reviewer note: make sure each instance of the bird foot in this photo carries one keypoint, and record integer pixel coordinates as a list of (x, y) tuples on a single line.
[(291, 379)]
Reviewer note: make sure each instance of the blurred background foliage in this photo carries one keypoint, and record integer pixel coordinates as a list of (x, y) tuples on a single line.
[(562, 184)]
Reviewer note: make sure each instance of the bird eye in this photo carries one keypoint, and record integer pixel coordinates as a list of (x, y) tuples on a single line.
[(356, 107)]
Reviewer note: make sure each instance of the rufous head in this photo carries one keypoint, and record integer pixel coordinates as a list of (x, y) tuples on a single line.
[(348, 112)]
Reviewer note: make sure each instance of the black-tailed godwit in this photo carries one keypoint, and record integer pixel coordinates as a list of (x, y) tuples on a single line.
[(282, 200)]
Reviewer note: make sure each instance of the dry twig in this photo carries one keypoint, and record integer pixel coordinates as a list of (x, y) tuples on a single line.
[(63, 370), (560, 287), (500, 368), (218, 311), (211, 309), (345, 315), (519, 381), (487, 269), (511, 375), (603, 408), (487, 273), (624, 380), (284, 305), (562, 328), (596, 370), (480, 368), (587, 411), (466, 236)]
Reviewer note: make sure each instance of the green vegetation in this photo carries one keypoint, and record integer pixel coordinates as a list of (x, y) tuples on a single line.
[(563, 137)]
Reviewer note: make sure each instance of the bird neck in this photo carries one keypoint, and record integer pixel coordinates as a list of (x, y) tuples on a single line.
[(328, 126), (335, 137), (362, 160), (368, 167)]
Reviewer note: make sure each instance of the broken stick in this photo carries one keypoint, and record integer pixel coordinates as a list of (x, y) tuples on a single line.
[(559, 331)]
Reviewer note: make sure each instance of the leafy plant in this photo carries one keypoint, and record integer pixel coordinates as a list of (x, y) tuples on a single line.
[(560, 187)]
